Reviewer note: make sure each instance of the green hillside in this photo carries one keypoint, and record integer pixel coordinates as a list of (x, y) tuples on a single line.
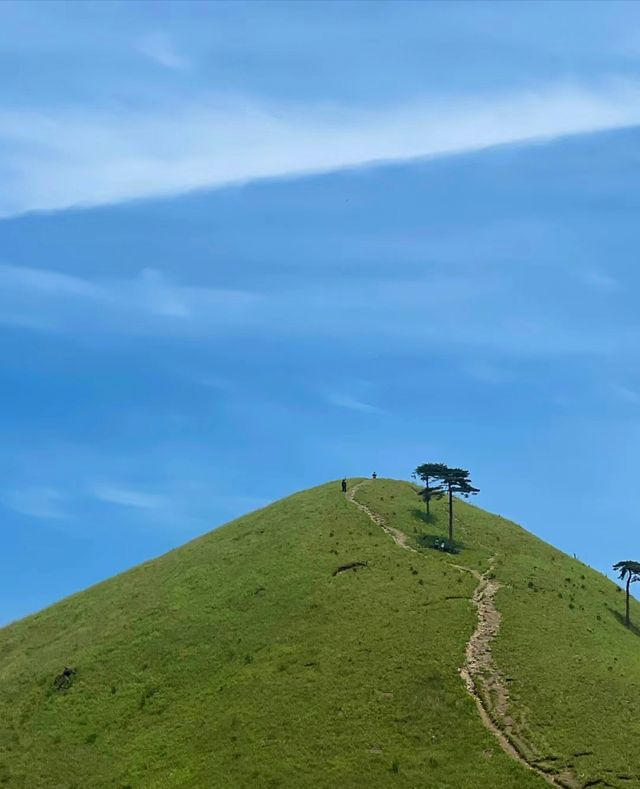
[(244, 660)]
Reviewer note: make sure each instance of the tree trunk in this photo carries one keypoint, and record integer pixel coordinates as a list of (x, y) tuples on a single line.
[(627, 610), (427, 496), (450, 516)]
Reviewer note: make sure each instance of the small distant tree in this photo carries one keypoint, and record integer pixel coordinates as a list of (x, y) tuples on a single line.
[(456, 480), (630, 571), (430, 473)]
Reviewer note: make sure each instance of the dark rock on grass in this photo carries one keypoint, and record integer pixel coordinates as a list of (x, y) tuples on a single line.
[(65, 679)]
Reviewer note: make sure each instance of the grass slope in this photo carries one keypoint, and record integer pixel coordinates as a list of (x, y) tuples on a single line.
[(573, 668), (239, 660)]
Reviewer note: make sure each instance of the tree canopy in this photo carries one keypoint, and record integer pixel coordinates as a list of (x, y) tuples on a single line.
[(448, 480), (628, 568), (631, 571), (457, 481), (429, 472)]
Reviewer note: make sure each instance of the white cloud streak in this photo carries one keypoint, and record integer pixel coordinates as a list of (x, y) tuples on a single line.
[(66, 158), (352, 404), (36, 502), (148, 303), (495, 315), (601, 281), (128, 497), (161, 48), (624, 394)]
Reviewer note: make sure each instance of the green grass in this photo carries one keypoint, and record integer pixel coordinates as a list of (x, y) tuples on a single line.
[(574, 669), (239, 660)]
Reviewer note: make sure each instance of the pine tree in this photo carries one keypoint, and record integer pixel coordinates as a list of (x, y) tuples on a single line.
[(630, 571), (428, 473), (456, 480)]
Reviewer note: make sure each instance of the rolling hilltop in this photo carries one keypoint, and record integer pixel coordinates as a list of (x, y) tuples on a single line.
[(248, 658)]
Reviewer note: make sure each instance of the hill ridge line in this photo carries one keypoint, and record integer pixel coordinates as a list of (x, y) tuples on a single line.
[(479, 673)]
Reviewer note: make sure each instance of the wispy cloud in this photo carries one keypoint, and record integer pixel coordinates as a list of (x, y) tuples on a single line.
[(352, 404), (128, 497), (36, 502), (600, 280), (63, 158), (624, 393), (497, 316), (211, 381), (39, 298), (160, 47), (487, 373)]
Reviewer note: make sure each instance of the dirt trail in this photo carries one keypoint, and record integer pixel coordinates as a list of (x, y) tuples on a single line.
[(479, 672), (400, 538), (487, 686)]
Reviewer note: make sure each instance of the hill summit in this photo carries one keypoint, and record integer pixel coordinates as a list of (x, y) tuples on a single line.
[(327, 640)]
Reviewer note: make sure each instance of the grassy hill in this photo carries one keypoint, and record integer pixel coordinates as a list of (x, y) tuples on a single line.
[(243, 660)]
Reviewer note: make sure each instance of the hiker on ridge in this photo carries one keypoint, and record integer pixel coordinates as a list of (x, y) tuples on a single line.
[(374, 475), (344, 485)]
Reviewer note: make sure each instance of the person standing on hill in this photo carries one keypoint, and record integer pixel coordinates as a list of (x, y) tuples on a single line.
[(374, 475), (344, 485)]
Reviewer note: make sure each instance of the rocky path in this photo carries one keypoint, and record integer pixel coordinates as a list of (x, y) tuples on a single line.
[(479, 672)]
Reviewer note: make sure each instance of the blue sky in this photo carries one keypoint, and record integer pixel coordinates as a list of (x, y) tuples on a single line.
[(249, 247)]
